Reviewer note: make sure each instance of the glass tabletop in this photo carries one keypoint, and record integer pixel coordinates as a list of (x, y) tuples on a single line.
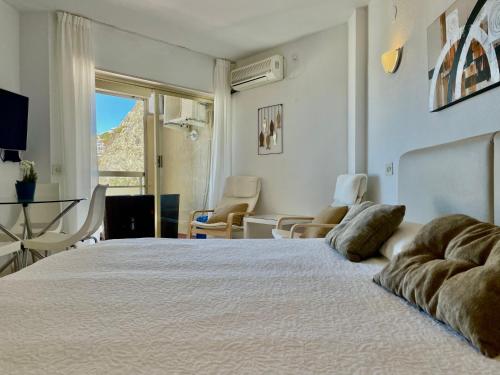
[(12, 201)]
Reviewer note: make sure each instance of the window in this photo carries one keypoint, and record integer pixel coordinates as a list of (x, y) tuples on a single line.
[(120, 143)]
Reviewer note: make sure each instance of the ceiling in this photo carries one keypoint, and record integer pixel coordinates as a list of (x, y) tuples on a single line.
[(220, 28)]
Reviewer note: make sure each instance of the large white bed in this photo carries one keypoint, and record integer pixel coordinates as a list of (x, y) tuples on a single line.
[(171, 307), (239, 307)]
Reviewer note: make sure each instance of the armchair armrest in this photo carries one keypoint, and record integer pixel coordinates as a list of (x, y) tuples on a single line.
[(283, 219), (194, 213), (233, 215), (296, 227)]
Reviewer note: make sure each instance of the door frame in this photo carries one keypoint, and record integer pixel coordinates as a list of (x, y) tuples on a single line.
[(114, 83)]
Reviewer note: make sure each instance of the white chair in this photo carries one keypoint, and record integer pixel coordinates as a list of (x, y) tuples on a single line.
[(40, 214), (10, 248), (55, 242), (237, 190), (349, 190)]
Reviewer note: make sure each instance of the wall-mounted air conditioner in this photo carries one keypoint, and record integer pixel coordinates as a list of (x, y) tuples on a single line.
[(180, 113), (257, 74)]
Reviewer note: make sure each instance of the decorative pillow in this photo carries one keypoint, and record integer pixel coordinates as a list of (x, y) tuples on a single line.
[(221, 213), (360, 236), (452, 272), (355, 211), (330, 215), (400, 240)]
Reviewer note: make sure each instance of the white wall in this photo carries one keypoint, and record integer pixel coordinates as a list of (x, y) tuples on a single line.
[(126, 53), (314, 95), (36, 33), (9, 45), (9, 80), (399, 119), (357, 114)]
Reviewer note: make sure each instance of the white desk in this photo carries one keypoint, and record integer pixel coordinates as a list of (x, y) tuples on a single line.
[(261, 226)]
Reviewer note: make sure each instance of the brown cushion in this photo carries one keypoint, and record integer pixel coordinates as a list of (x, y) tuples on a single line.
[(330, 215), (355, 211), (364, 230), (221, 213), (452, 272), (351, 214)]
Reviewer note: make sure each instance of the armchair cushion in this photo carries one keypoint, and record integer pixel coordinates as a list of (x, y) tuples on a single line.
[(221, 213), (330, 215)]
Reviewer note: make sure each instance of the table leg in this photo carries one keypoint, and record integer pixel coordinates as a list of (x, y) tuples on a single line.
[(9, 233), (25, 258), (258, 230), (27, 221), (16, 262), (8, 263), (57, 218), (15, 257), (36, 256), (246, 233)]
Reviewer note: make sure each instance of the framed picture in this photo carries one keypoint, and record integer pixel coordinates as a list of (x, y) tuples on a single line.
[(463, 49), (270, 130)]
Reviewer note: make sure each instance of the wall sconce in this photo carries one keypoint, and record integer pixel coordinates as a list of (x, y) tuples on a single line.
[(391, 60)]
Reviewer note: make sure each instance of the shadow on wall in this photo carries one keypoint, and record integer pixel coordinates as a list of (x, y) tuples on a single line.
[(373, 193)]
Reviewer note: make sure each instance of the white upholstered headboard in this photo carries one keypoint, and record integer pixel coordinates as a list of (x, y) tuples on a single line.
[(459, 177)]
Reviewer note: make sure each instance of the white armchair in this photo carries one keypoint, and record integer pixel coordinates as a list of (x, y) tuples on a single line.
[(237, 190), (349, 190)]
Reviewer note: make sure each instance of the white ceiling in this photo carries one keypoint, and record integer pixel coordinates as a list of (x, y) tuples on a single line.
[(220, 28)]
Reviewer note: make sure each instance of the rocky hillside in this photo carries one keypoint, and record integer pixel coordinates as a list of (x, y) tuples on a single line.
[(122, 148)]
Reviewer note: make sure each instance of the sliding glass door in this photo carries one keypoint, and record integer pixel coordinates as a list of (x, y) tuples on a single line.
[(183, 145), (155, 141)]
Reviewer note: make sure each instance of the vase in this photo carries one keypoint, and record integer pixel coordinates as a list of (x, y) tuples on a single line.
[(25, 191)]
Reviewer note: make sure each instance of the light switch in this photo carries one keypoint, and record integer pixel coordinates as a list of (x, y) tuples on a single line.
[(389, 169), (56, 170)]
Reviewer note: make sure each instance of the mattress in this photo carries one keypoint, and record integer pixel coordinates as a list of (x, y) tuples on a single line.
[(217, 307)]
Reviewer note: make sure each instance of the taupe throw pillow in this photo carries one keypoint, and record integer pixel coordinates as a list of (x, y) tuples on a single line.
[(365, 229), (221, 213), (355, 211), (452, 272), (330, 215)]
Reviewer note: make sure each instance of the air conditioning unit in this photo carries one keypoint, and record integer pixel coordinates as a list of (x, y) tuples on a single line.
[(257, 74)]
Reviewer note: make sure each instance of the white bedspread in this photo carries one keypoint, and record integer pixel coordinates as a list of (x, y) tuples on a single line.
[(217, 307)]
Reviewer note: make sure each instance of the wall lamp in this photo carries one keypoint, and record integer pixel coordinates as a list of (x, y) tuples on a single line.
[(391, 60)]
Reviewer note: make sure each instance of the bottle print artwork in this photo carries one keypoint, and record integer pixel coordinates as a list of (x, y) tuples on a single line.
[(270, 128)]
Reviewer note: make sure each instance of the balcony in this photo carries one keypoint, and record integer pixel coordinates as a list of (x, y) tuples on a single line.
[(123, 183)]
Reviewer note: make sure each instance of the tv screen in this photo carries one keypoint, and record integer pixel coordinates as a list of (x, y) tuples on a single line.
[(13, 121)]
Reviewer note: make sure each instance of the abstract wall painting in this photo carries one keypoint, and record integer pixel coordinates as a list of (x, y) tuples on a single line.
[(464, 52), (270, 130)]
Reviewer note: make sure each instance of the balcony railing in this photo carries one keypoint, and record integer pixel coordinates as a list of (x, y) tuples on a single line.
[(116, 180)]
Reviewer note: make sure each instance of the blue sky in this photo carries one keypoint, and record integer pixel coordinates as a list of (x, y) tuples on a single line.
[(111, 110)]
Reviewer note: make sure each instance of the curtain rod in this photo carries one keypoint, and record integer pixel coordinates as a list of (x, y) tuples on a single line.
[(137, 34)]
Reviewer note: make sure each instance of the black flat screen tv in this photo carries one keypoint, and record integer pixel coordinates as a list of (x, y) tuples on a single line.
[(13, 121)]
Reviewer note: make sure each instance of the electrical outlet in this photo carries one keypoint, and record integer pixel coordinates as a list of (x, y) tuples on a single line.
[(389, 169)]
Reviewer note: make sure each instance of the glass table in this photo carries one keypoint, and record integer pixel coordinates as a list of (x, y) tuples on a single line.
[(28, 232)]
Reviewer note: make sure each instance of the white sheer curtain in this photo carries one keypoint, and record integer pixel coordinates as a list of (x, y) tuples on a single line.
[(74, 117), (221, 157)]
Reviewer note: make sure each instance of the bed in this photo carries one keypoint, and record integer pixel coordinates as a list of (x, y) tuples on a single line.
[(223, 307)]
